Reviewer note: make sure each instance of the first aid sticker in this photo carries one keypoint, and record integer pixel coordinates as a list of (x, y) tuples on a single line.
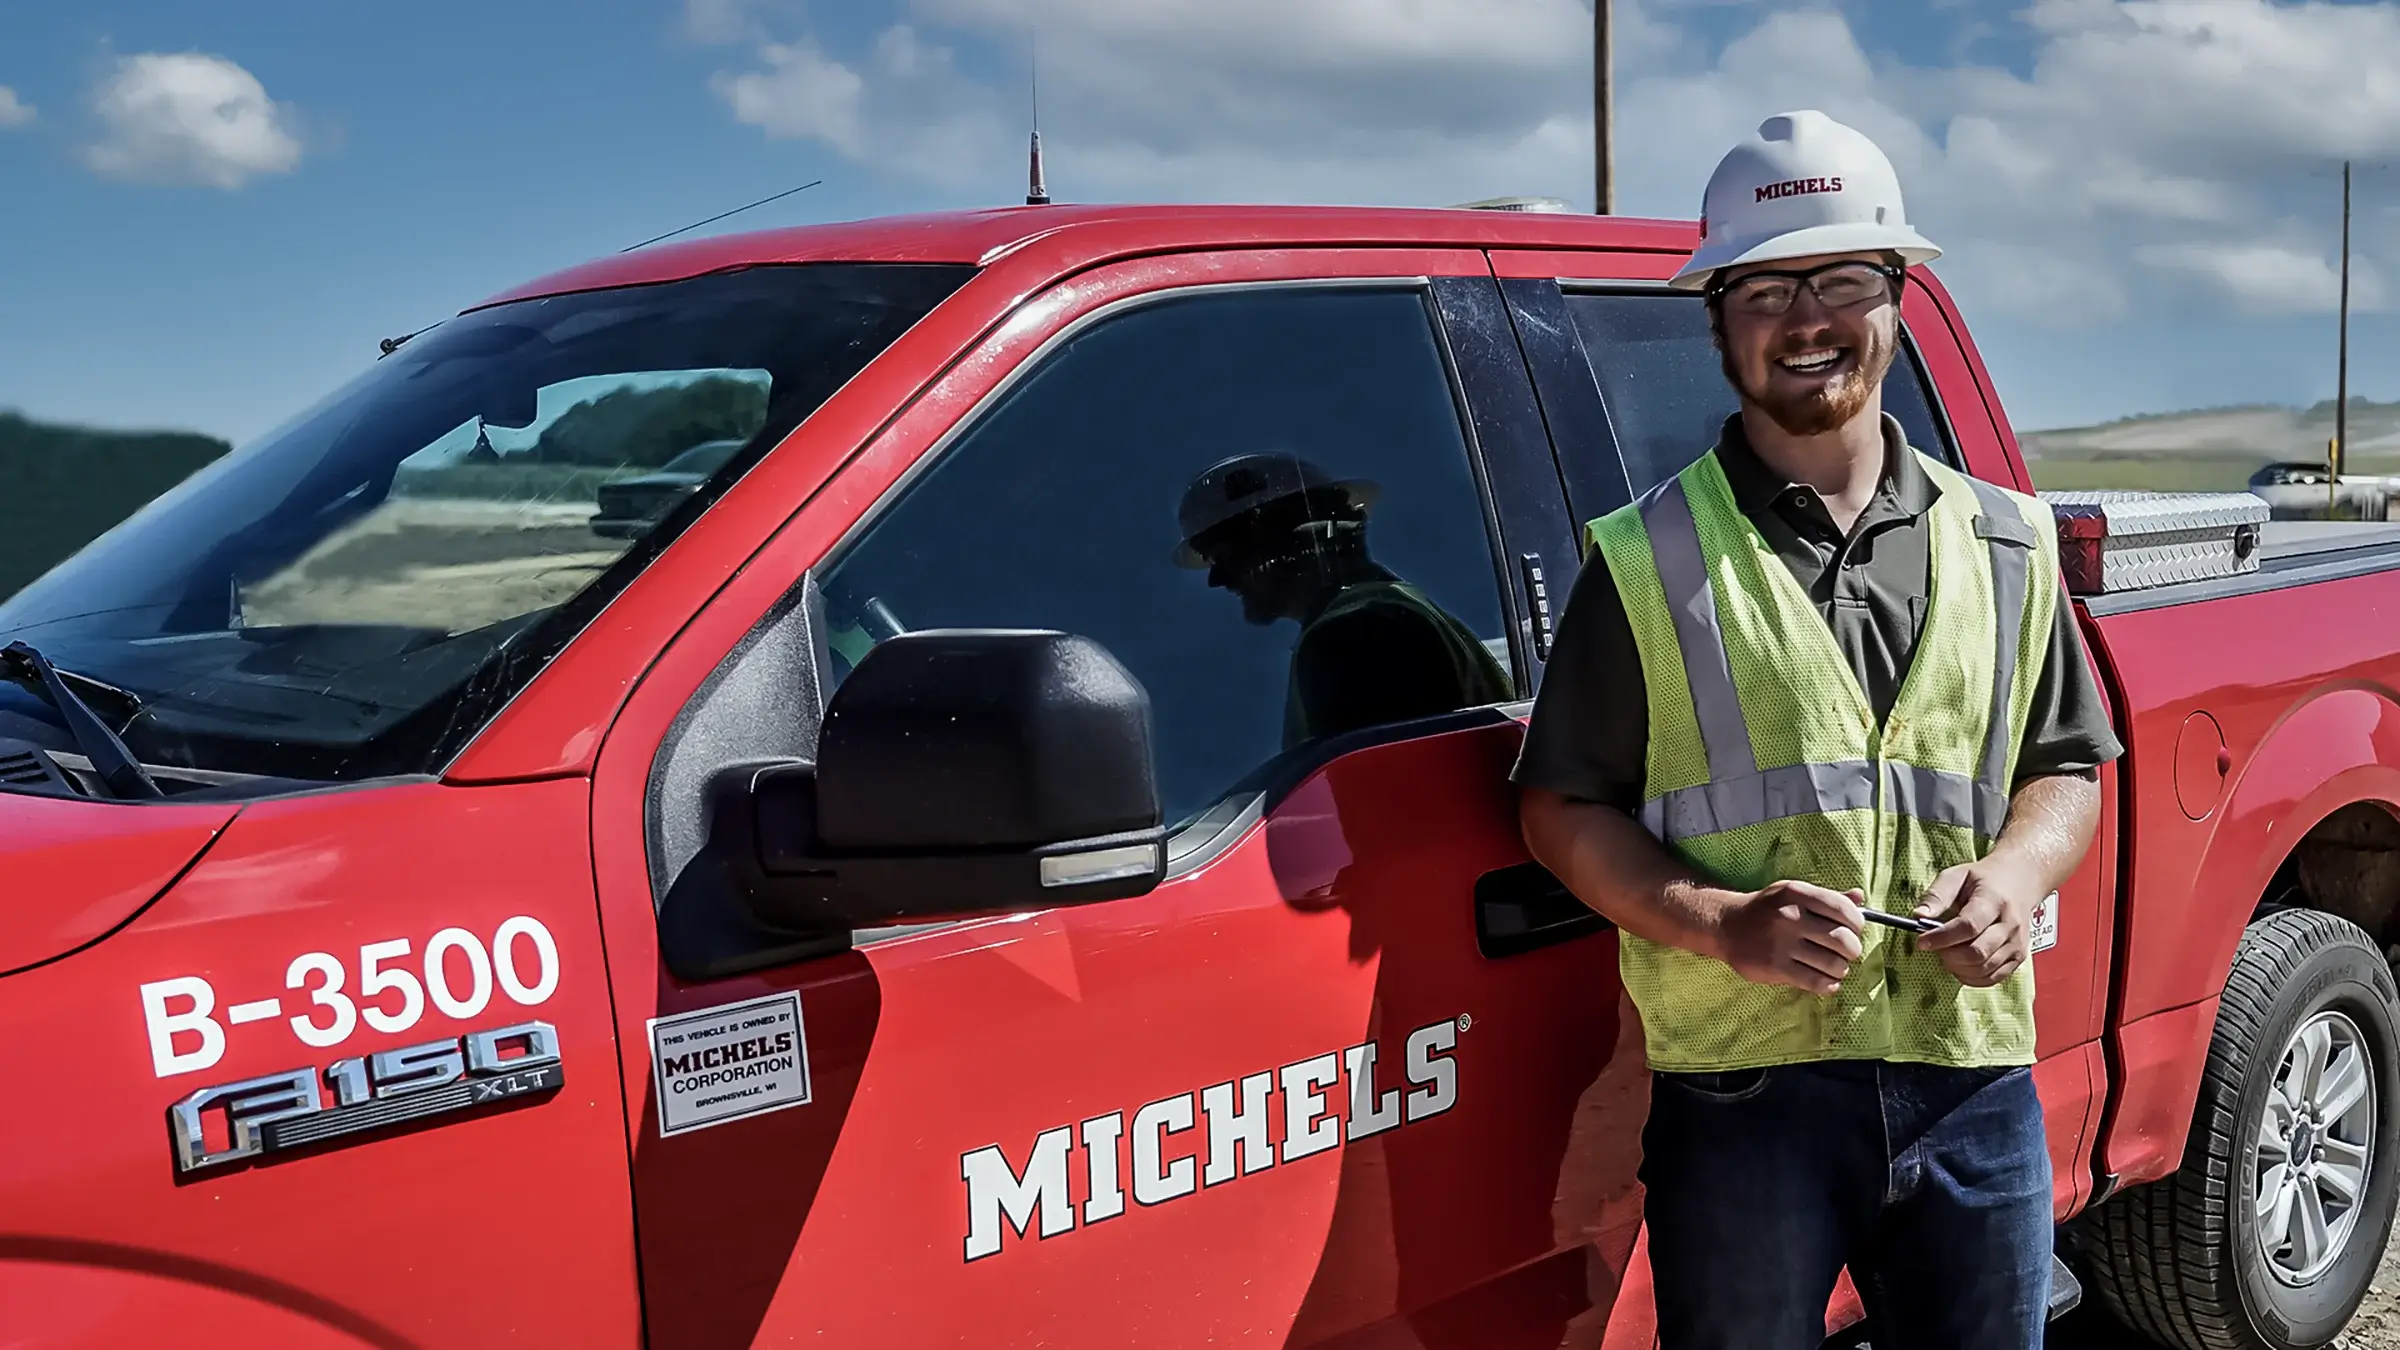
[(2045, 923), (728, 1063)]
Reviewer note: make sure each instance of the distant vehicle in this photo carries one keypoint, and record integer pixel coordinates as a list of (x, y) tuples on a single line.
[(630, 506), (2296, 489), (2289, 473)]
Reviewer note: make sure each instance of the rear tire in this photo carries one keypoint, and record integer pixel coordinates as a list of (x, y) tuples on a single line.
[(2195, 1260)]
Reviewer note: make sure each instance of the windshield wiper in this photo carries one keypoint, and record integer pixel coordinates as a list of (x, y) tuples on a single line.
[(21, 665)]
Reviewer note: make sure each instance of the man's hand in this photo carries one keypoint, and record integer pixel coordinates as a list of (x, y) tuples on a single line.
[(1987, 909), (1796, 934)]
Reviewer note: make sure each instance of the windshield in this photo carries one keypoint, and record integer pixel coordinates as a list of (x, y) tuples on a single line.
[(353, 594)]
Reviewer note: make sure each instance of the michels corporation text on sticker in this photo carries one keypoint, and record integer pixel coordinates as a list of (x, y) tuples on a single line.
[(728, 1063)]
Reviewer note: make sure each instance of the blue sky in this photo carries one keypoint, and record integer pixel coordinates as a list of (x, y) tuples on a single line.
[(2137, 197)]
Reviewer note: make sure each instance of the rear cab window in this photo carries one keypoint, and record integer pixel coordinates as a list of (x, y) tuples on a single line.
[(1665, 391)]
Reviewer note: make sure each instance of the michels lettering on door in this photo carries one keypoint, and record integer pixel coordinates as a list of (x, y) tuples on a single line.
[(1320, 1103)]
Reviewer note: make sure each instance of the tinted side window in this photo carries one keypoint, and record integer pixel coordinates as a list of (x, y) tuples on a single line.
[(1261, 501), (1666, 391)]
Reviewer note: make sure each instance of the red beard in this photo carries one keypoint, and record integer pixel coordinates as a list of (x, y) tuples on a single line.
[(1829, 406)]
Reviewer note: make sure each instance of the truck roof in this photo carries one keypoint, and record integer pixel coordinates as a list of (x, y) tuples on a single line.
[(1085, 235)]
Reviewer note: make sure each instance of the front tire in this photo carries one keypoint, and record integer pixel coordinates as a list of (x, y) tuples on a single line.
[(2268, 1235)]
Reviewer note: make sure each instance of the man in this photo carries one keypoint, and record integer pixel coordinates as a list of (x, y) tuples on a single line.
[(1818, 674), (1291, 541)]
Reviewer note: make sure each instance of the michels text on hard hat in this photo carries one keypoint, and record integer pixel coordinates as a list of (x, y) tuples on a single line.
[(1798, 187)]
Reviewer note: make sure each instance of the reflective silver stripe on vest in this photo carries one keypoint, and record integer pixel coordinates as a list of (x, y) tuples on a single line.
[(1933, 795), (1738, 793), (1944, 798), (1776, 794), (2009, 567), (1683, 575)]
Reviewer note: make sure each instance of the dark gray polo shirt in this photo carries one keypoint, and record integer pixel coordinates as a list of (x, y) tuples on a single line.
[(1590, 734)]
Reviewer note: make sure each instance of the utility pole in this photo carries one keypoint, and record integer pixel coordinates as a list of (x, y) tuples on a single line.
[(1604, 153), (2341, 377)]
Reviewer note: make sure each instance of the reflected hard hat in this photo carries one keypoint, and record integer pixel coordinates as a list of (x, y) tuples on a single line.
[(1804, 185), (1232, 488)]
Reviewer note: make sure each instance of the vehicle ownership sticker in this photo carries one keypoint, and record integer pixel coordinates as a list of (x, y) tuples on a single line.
[(728, 1063), (2045, 922)]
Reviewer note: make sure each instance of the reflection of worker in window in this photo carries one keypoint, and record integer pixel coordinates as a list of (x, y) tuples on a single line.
[(1291, 541)]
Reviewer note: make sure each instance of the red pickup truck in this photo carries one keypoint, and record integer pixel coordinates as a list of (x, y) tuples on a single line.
[(911, 881)]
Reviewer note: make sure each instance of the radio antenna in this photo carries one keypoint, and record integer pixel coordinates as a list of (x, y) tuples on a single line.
[(1037, 192), (721, 215)]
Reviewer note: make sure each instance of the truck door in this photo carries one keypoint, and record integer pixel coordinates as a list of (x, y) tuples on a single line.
[(1354, 1075), (1632, 388)]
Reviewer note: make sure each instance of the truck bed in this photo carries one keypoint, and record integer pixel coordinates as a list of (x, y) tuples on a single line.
[(2291, 553), (2292, 538)]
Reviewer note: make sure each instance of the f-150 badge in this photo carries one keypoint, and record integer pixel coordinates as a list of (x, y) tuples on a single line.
[(261, 1116)]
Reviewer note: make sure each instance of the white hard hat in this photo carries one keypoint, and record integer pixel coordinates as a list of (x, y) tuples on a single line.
[(1804, 185)]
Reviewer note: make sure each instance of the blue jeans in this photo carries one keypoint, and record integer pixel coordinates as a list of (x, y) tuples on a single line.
[(1931, 1184)]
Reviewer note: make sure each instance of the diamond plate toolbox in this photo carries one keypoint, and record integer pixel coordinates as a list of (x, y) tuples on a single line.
[(2125, 541)]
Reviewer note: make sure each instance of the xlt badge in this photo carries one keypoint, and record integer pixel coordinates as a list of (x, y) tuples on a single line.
[(263, 1116)]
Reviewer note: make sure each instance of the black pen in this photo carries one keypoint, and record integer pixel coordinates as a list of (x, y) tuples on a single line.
[(1909, 922)]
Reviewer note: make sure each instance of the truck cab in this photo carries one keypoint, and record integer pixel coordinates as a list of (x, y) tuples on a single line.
[(958, 872)]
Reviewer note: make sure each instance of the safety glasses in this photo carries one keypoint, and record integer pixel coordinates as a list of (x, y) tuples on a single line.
[(1841, 285)]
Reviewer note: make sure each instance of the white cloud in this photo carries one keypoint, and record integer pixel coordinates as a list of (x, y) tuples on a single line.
[(2153, 151), (188, 118), (2269, 278), (716, 20), (727, 21), (14, 112), (905, 105), (1415, 100), (2175, 154), (801, 94)]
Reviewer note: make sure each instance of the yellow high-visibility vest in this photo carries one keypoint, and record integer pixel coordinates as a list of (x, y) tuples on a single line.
[(1767, 763)]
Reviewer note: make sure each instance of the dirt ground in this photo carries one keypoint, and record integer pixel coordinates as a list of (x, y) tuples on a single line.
[(2377, 1326)]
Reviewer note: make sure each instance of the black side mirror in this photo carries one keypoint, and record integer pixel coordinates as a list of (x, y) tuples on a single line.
[(958, 773)]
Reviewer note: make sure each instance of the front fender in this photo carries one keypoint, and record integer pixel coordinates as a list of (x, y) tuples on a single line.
[(71, 1298)]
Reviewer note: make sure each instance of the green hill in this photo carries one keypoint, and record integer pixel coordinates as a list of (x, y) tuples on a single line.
[(61, 485), (2209, 449)]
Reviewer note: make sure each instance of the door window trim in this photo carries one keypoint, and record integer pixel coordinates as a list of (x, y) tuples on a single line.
[(1525, 493)]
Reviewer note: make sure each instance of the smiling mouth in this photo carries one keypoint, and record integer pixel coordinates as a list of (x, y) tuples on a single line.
[(1823, 361)]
